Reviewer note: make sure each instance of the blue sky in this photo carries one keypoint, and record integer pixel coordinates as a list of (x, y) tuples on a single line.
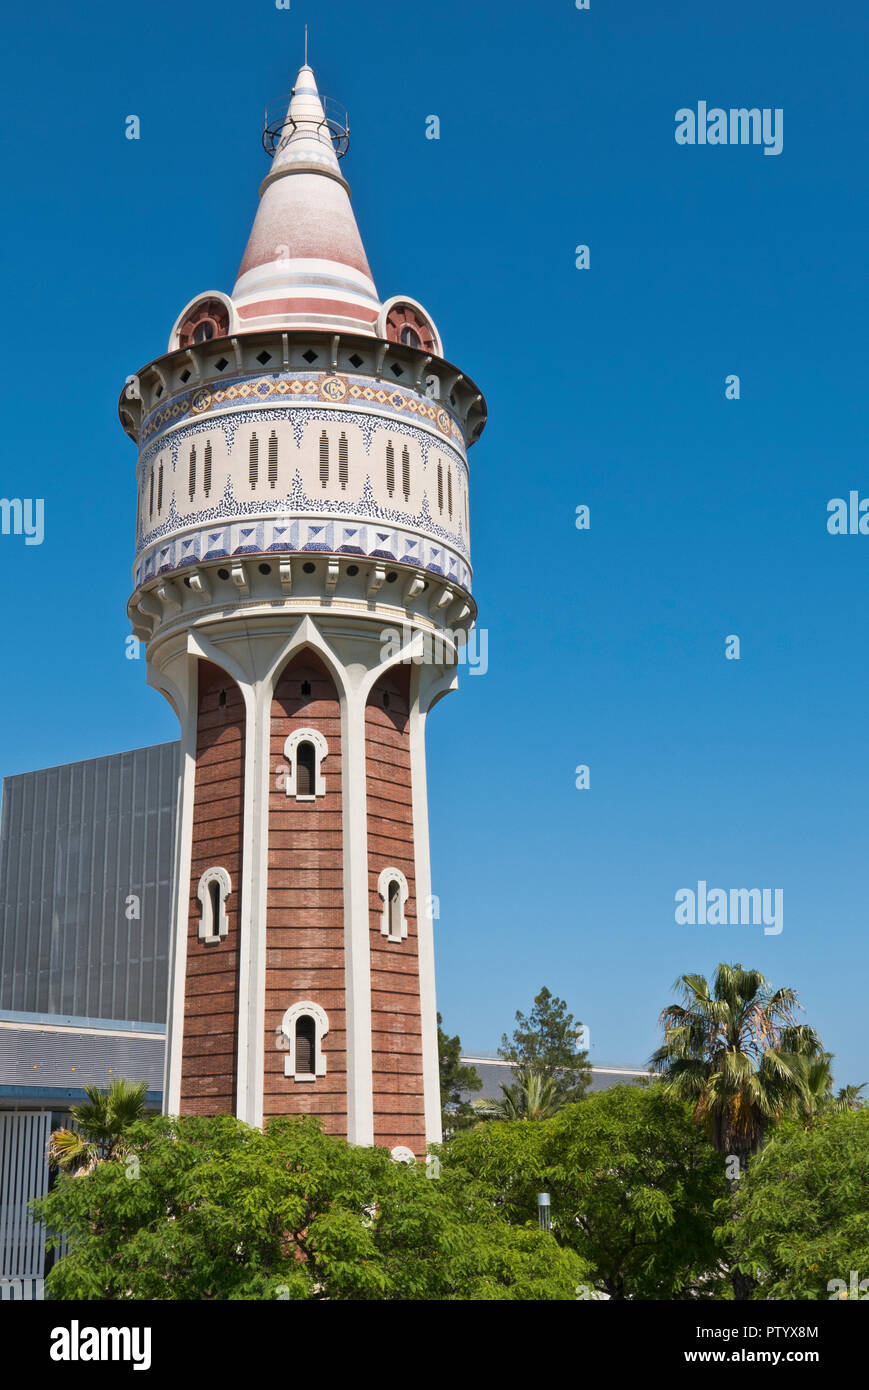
[(605, 387)]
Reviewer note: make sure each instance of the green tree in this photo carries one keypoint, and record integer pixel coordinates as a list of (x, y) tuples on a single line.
[(736, 1053), (102, 1121), (545, 1042), (819, 1084), (530, 1097), (457, 1080), (222, 1211), (804, 1217), (633, 1183)]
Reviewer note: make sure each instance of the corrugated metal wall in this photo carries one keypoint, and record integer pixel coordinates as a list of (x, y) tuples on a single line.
[(75, 843), (63, 1058), (23, 1175)]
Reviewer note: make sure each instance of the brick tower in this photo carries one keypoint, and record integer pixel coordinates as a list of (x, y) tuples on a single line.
[(302, 582)]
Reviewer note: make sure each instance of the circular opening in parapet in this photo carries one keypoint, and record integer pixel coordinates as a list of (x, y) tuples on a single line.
[(223, 574), (265, 569), (187, 580), (352, 569), (391, 577), (308, 567)]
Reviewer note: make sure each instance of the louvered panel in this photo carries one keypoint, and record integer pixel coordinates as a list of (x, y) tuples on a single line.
[(23, 1176)]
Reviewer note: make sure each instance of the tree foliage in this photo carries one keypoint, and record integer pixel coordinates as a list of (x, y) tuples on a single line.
[(221, 1211), (102, 1122), (804, 1212), (544, 1042), (633, 1184), (531, 1096), (737, 1054)]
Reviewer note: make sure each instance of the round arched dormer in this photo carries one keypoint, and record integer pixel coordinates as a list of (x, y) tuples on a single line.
[(204, 319), (403, 320)]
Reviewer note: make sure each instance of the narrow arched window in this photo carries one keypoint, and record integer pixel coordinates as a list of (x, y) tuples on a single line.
[(324, 458), (214, 894), (393, 889), (191, 473), (273, 459), (151, 498), (306, 1045), (393, 907), (305, 751), (304, 1026), (409, 336), (405, 473), (343, 468), (206, 479), (253, 460), (390, 469), (440, 486), (306, 770), (450, 493), (160, 489), (213, 890)]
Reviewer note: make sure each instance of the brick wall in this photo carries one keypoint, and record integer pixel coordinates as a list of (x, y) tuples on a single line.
[(305, 910), (211, 995), (399, 1116)]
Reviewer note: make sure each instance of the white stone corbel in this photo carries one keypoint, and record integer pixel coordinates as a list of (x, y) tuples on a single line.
[(378, 365), (148, 605), (236, 347), (414, 586), (332, 572), (451, 384), (376, 580), (199, 584), (168, 596), (335, 341), (285, 570), (443, 600), (285, 345), (239, 578), (421, 373), (161, 377)]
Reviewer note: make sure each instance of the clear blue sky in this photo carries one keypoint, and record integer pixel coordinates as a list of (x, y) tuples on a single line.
[(604, 387)]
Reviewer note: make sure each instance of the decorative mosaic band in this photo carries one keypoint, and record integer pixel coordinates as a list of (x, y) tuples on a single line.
[(303, 388), (299, 537)]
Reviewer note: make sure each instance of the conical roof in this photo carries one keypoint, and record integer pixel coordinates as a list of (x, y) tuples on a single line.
[(305, 265)]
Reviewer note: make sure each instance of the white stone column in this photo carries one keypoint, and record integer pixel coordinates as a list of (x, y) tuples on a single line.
[(357, 955), (424, 917), (184, 697), (250, 1070)]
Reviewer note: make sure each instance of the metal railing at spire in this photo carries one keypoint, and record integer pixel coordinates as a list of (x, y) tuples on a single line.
[(277, 123)]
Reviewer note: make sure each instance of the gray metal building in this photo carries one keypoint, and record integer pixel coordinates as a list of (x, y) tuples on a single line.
[(86, 856)]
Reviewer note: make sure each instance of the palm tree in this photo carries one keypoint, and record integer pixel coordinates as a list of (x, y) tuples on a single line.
[(737, 1054), (819, 1078), (101, 1124), (532, 1096)]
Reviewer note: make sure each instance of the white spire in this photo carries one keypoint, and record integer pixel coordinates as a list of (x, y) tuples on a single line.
[(305, 265)]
